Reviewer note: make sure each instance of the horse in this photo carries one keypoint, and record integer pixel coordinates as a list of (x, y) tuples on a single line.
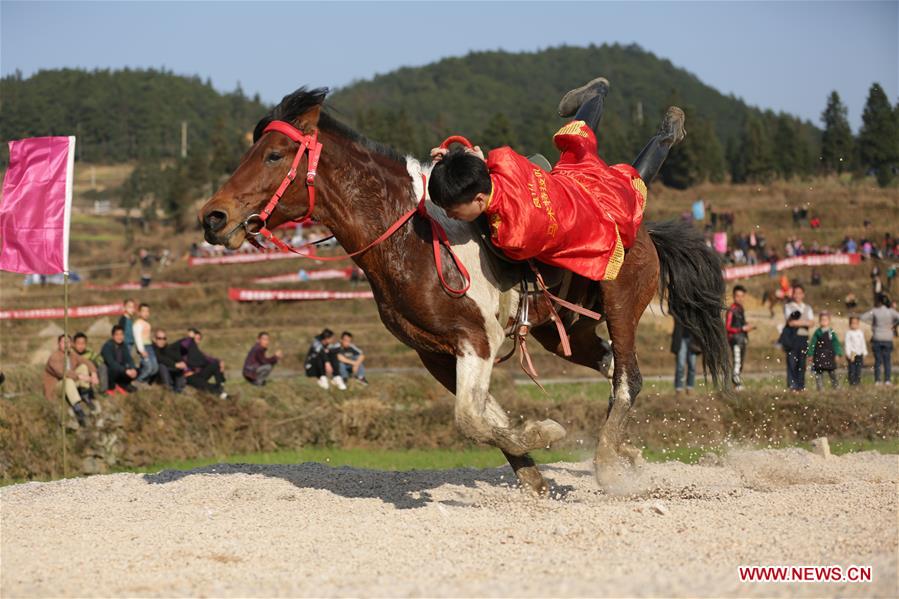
[(362, 187)]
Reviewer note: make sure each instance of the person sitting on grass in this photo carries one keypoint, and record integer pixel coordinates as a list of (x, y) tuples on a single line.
[(320, 363), (349, 359), (79, 344), (823, 349), (581, 216), (76, 374), (171, 365), (257, 367), (120, 364), (202, 367)]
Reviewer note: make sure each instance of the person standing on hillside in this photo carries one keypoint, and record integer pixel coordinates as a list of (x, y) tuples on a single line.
[(824, 348), (794, 340), (882, 319), (856, 350), (126, 321), (685, 353), (257, 367), (738, 334), (143, 342)]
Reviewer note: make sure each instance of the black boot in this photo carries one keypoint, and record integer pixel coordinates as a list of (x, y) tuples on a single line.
[(87, 396), (651, 158), (79, 414), (577, 97)]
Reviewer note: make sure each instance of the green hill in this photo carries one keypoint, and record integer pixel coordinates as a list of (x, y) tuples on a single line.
[(510, 98), (124, 115)]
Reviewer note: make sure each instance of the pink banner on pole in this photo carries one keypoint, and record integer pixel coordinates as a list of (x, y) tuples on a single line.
[(37, 204)]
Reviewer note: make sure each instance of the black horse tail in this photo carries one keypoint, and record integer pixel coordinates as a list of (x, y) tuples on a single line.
[(691, 279)]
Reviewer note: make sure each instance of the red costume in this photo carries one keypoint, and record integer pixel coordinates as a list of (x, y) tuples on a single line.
[(580, 216)]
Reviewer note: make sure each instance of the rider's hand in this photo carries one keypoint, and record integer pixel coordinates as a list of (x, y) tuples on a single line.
[(476, 151), (438, 153)]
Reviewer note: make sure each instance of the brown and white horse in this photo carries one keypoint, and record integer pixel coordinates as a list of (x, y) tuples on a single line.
[(364, 187)]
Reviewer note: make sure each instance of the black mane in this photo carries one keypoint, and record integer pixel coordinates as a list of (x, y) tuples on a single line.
[(294, 105)]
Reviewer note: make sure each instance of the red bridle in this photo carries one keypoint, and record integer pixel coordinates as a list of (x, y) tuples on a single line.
[(309, 143)]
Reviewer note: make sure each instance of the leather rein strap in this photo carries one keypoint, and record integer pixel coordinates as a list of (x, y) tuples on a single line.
[(310, 144)]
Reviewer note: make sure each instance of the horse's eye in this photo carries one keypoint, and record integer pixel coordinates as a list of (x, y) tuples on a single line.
[(273, 157)]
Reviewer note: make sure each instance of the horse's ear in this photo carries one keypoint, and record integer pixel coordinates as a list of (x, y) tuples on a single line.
[(308, 121)]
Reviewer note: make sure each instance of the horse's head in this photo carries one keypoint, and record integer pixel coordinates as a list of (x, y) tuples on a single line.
[(234, 210)]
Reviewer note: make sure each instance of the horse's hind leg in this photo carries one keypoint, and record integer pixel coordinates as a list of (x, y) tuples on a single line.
[(443, 368)]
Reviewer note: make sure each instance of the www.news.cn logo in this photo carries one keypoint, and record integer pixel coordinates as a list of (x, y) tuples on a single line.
[(805, 574)]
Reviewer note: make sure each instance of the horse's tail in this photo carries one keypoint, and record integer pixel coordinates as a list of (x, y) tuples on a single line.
[(692, 281)]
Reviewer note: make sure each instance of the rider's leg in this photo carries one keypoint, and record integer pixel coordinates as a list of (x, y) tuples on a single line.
[(574, 99), (591, 109), (651, 158)]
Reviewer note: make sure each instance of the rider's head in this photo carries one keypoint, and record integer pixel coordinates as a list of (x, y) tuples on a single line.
[(460, 184)]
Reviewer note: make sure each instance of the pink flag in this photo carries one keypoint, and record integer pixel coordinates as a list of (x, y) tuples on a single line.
[(36, 206)]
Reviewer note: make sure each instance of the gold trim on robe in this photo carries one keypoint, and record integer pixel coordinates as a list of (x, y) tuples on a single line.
[(615, 260)]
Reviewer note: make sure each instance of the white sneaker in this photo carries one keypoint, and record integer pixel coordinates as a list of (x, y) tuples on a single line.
[(338, 382), (323, 382), (223, 395)]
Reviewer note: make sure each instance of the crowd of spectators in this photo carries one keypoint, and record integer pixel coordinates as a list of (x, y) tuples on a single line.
[(808, 343), (138, 354)]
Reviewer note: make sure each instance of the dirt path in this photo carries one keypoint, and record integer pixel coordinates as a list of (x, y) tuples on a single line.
[(310, 530)]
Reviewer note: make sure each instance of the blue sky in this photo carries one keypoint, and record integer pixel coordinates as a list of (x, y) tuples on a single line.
[(780, 55)]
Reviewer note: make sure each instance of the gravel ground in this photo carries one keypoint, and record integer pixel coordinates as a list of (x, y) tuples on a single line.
[(309, 530)]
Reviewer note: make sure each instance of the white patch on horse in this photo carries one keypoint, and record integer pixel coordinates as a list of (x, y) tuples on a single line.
[(495, 305), (477, 413), (622, 391)]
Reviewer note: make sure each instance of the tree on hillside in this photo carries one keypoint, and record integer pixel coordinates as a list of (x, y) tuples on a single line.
[(789, 151), (836, 143), (878, 140), (497, 133), (752, 156)]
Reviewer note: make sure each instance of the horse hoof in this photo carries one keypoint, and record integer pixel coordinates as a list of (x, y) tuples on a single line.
[(541, 435), (632, 454), (531, 479)]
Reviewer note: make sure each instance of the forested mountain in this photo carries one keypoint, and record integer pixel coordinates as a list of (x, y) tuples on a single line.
[(124, 115), (510, 98)]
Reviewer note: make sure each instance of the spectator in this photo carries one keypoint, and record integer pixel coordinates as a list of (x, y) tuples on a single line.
[(891, 275), (143, 336), (876, 284), (79, 344), (257, 367), (119, 363), (126, 321), (202, 367), (823, 349), (738, 334), (320, 363), (816, 277), (146, 267), (76, 374), (856, 350), (171, 365), (349, 359), (794, 338), (882, 319), (685, 352)]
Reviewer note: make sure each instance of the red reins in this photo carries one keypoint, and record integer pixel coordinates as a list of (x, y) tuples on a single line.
[(311, 144)]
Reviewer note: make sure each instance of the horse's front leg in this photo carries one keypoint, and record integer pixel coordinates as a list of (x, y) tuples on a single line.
[(443, 368), (480, 417)]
